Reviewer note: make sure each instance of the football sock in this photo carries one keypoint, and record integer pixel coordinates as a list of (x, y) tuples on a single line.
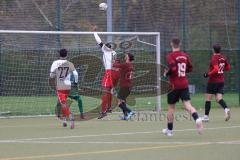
[(104, 103), (207, 107), (71, 117), (66, 111), (80, 106), (127, 109), (58, 109), (78, 99), (109, 100), (123, 107), (195, 116), (170, 126), (222, 103)]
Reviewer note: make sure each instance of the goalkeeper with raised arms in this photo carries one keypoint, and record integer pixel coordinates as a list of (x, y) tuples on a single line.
[(109, 76)]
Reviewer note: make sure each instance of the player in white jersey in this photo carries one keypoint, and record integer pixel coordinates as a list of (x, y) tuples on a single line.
[(61, 70), (107, 81)]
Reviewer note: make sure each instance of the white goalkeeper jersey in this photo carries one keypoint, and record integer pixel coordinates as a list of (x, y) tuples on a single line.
[(61, 70), (108, 53)]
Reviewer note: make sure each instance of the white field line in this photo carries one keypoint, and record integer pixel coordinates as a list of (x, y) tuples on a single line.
[(84, 136), (121, 142), (110, 134), (96, 142), (27, 126), (229, 142), (6, 116)]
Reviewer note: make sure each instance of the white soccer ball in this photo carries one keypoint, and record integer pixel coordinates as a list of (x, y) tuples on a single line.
[(103, 6)]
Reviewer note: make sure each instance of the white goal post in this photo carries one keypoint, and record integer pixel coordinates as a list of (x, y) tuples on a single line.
[(137, 36)]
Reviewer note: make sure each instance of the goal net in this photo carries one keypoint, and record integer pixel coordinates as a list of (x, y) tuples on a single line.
[(26, 58)]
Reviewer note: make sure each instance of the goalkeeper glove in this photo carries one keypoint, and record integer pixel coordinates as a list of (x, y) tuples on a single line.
[(205, 75)]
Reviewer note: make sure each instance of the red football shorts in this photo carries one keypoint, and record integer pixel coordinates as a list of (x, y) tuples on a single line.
[(107, 81), (62, 96), (110, 78)]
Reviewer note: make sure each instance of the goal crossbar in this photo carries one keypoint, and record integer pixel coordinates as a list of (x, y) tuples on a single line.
[(77, 33)]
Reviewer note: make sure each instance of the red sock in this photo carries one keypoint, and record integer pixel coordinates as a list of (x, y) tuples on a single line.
[(109, 100), (104, 102), (66, 111)]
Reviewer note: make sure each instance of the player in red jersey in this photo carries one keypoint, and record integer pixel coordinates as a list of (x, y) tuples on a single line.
[(125, 84), (179, 64), (218, 65)]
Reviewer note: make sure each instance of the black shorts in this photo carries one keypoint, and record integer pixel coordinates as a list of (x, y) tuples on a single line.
[(123, 93), (174, 96), (214, 88)]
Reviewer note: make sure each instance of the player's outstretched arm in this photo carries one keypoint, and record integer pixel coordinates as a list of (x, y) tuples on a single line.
[(96, 36)]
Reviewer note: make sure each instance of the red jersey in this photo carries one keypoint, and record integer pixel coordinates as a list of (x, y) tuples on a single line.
[(115, 73), (179, 64), (217, 66), (126, 74)]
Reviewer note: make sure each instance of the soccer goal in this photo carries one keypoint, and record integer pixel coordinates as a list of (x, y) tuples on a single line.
[(26, 57)]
